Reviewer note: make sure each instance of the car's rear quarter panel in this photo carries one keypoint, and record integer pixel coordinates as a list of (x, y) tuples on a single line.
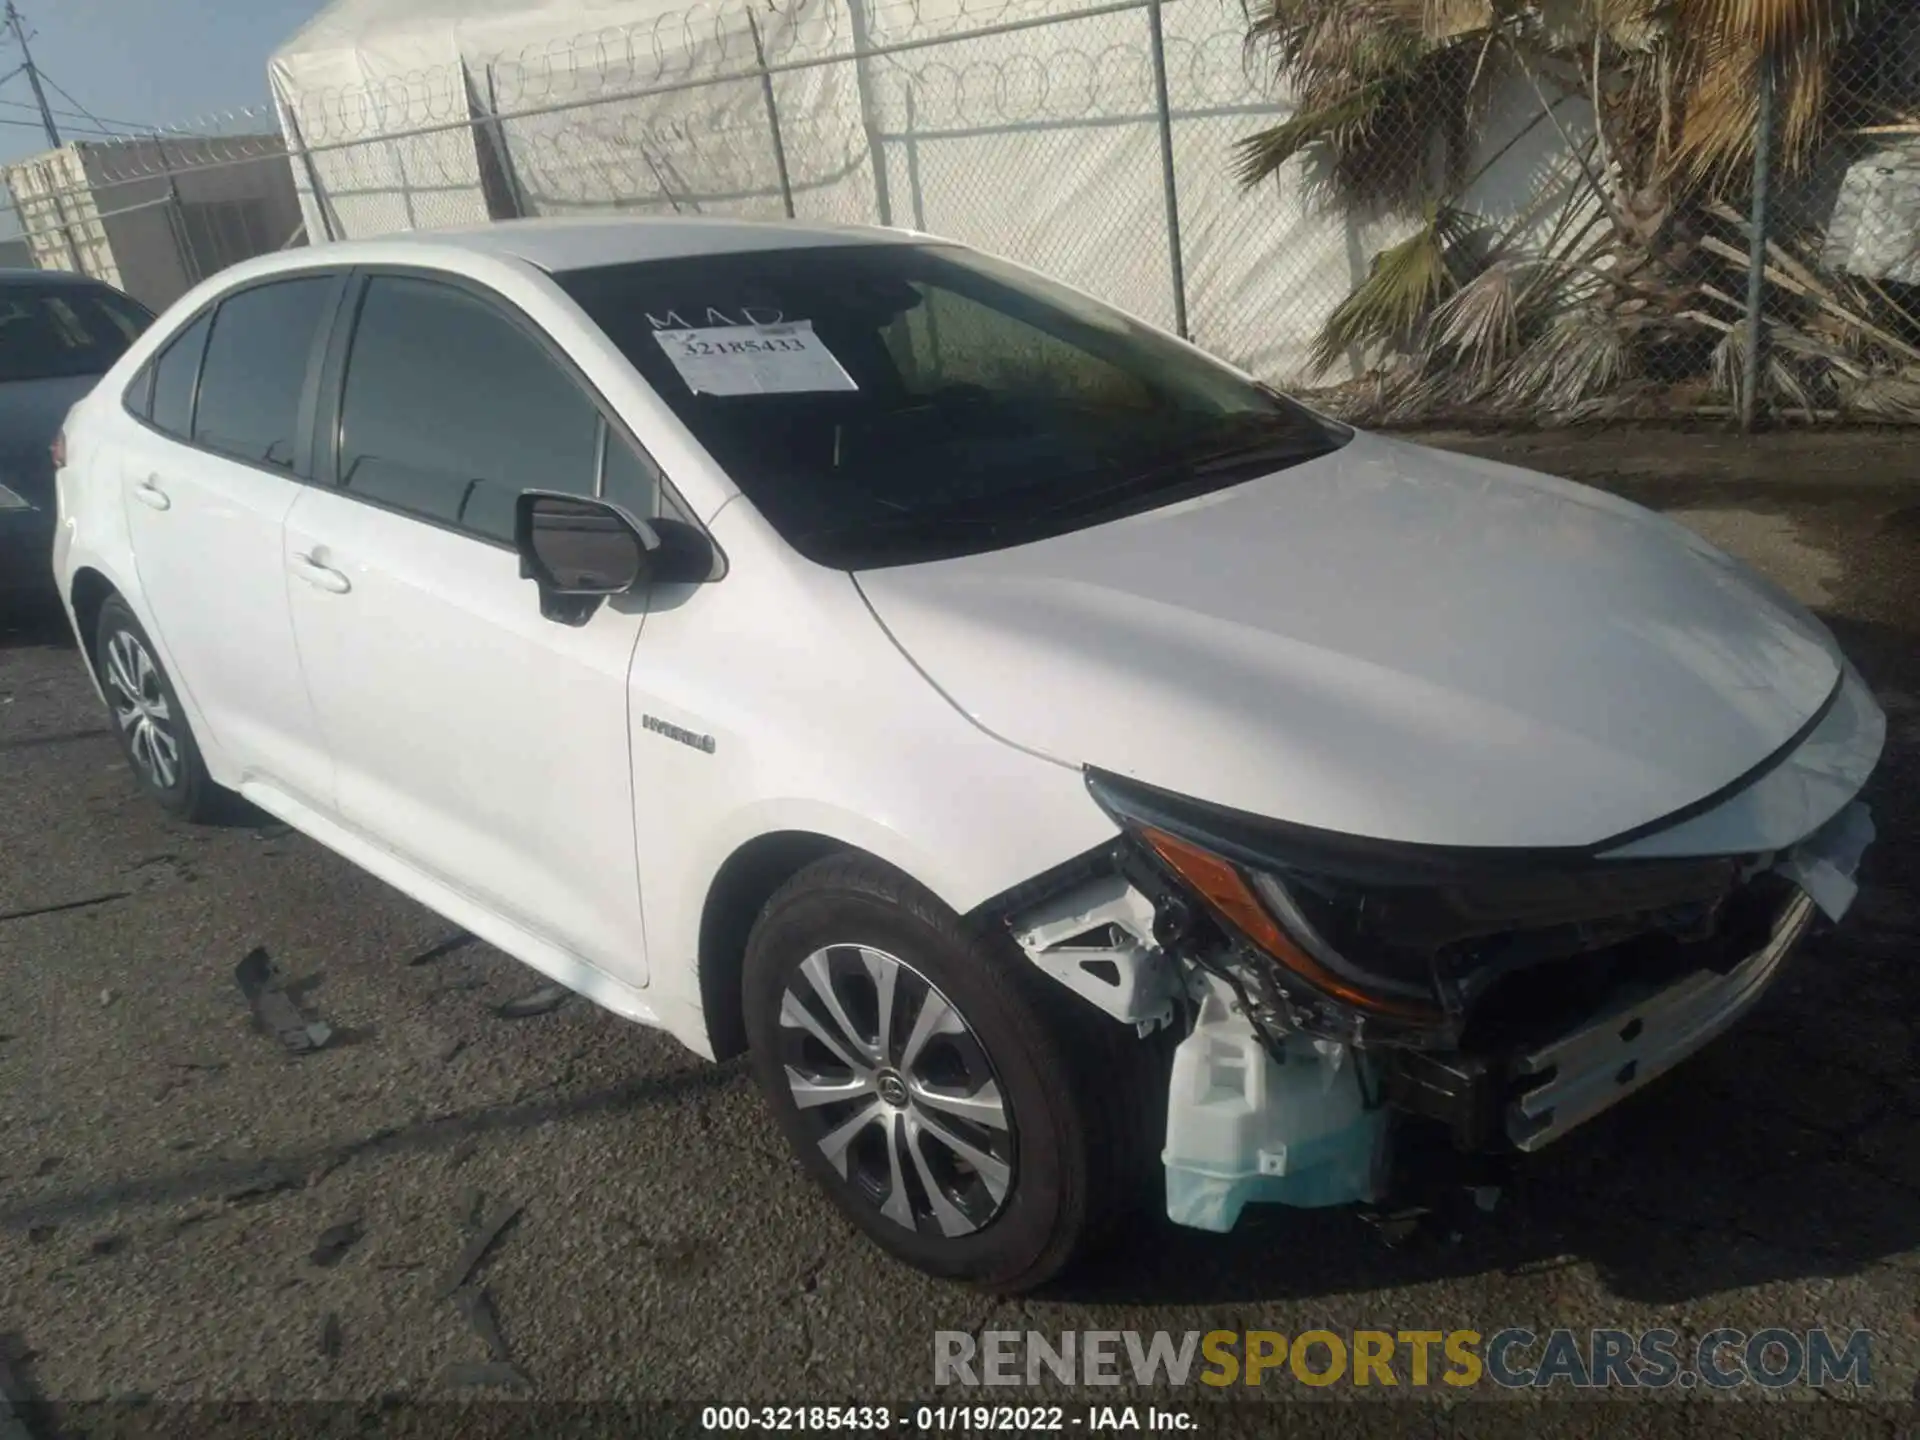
[(93, 537)]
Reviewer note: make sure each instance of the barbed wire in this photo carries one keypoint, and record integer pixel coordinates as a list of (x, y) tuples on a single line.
[(818, 109), (706, 41)]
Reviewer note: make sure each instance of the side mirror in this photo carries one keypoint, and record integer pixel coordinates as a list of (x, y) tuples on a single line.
[(580, 550)]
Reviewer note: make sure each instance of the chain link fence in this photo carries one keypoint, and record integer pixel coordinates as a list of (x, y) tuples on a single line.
[(1501, 212), (1841, 230)]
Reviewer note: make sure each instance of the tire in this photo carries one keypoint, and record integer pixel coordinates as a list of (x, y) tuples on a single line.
[(148, 720), (1074, 1150)]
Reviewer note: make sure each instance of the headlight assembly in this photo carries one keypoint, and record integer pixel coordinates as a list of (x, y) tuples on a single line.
[(1402, 934), (1261, 905)]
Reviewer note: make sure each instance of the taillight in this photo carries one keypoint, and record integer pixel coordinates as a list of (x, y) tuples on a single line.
[(59, 451)]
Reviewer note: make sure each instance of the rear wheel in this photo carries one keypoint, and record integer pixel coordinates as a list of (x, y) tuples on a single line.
[(148, 720), (969, 1116)]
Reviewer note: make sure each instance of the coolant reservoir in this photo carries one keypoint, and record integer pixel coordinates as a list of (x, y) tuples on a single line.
[(1244, 1128)]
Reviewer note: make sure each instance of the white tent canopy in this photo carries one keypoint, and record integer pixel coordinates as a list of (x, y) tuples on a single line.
[(1040, 142)]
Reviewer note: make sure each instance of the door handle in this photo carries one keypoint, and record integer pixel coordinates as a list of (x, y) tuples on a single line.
[(151, 495), (321, 577)]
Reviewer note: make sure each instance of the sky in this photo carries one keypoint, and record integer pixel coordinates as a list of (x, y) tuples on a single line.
[(141, 62)]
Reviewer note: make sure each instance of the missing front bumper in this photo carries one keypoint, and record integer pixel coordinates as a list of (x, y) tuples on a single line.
[(1264, 1109), (1574, 1078), (1301, 1128)]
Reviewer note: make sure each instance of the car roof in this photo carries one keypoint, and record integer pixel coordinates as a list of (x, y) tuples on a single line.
[(558, 245), (553, 245), (23, 275)]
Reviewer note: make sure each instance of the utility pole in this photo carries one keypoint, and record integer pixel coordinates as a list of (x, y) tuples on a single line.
[(33, 77)]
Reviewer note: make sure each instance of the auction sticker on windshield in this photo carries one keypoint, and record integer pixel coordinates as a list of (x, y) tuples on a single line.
[(783, 359)]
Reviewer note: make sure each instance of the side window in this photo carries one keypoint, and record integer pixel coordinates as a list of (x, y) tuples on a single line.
[(629, 480), (139, 395), (256, 370), (174, 374), (450, 410)]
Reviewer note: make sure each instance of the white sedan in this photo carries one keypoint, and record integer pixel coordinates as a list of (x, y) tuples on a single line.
[(1074, 771)]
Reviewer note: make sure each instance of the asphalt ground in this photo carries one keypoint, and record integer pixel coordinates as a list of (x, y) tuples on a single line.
[(168, 1173)]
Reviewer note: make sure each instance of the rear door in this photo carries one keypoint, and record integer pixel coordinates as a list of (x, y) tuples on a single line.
[(209, 475), (483, 744)]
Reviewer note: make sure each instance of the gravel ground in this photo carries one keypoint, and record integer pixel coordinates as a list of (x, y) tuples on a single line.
[(166, 1171)]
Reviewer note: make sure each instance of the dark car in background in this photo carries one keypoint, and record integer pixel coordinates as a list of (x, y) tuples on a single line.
[(59, 334)]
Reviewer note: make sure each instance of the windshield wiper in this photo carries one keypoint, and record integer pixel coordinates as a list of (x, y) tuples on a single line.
[(1204, 466), (1294, 449), (932, 522)]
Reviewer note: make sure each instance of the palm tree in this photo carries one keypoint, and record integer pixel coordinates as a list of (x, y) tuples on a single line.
[(1621, 270)]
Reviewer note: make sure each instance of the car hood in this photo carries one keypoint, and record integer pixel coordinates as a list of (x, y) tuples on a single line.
[(1389, 642)]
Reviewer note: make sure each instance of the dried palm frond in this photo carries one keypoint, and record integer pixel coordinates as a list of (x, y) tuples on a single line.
[(1585, 352), (1390, 97), (1637, 26), (1883, 396), (1334, 124), (1479, 326), (1722, 44), (1818, 359), (1391, 114), (1449, 19), (1635, 399), (1345, 42), (1779, 379), (1408, 393), (1404, 284)]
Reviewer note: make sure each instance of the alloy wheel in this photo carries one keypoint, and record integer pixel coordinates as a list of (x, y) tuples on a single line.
[(897, 1090), (140, 708)]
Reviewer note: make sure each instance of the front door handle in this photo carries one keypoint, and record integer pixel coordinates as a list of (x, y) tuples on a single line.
[(151, 495), (321, 577)]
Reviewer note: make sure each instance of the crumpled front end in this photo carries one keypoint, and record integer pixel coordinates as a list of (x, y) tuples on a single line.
[(1324, 985)]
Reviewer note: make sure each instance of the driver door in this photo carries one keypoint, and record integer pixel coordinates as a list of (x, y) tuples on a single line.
[(472, 738)]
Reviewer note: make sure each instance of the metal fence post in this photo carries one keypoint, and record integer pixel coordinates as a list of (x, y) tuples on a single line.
[(869, 119), (1169, 188), (1757, 249), (914, 191), (773, 115)]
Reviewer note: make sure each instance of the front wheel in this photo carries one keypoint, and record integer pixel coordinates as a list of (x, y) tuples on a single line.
[(969, 1116)]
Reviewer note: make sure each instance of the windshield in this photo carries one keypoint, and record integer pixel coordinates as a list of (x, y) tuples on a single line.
[(55, 331), (889, 404)]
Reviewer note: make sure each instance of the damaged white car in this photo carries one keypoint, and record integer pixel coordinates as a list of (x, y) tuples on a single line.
[(1080, 776)]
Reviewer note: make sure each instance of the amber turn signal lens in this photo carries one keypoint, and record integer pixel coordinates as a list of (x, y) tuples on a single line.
[(1222, 886), (59, 451)]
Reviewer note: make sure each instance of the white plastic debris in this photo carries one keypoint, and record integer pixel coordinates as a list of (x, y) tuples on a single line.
[(1120, 968), (1825, 863)]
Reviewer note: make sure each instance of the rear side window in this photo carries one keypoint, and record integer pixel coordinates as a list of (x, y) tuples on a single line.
[(256, 370), (450, 410), (174, 374)]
